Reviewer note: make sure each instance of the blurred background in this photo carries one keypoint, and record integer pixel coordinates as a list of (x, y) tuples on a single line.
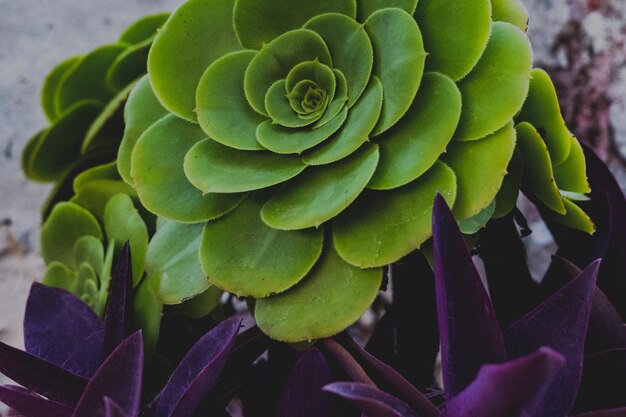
[(582, 44)]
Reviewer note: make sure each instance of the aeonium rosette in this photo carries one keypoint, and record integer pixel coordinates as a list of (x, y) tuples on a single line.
[(311, 138)]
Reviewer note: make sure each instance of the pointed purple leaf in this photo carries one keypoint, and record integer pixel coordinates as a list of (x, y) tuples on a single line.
[(469, 331), (302, 395), (29, 404), (61, 329), (118, 314), (560, 323), (513, 388), (615, 412), (197, 373), (119, 378), (603, 383), (112, 409), (370, 400), (40, 376)]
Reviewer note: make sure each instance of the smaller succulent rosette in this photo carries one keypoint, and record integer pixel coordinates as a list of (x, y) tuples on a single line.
[(308, 139)]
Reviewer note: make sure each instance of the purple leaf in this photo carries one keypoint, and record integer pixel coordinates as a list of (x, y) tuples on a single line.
[(198, 371), (118, 314), (560, 323), (40, 376), (615, 412), (111, 409), (61, 329), (119, 378), (468, 328), (603, 383), (30, 404), (513, 388), (370, 400), (347, 362), (302, 395)]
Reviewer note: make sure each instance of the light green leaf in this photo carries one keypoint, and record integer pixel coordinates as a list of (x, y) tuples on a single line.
[(361, 120), (142, 110), (399, 61), (571, 174), (201, 305), (95, 194), (473, 224), (173, 256), (276, 60), (223, 111), (280, 110), (496, 88), (480, 167), (143, 29), (332, 297), (60, 276), (258, 22), (88, 249), (185, 47), (320, 193), (51, 86), (147, 313), (350, 49), (157, 168), (455, 34), (29, 152), (67, 223), (574, 218), (381, 227), (242, 255), (215, 168), (367, 7), (415, 143), (99, 172), (338, 102), (511, 11), (542, 110), (128, 66), (509, 192), (283, 140)]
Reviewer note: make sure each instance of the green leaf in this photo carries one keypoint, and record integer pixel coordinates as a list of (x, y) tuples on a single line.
[(173, 256), (223, 110), (142, 110), (398, 61), (415, 143), (541, 109), (280, 110), (338, 102), (574, 218), (455, 33), (147, 313), (496, 88), (128, 66), (258, 22), (511, 11), (160, 181), (67, 223), (143, 29), (184, 48), (60, 276), (201, 305), (94, 195), (276, 60), (538, 174), (332, 297), (241, 254), (480, 167), (320, 193), (350, 49), (87, 79), (122, 223), (88, 249), (100, 300), (473, 224), (99, 172), (283, 140), (571, 174), (509, 191), (366, 7), (215, 168), (361, 120), (51, 86), (29, 152), (381, 227)]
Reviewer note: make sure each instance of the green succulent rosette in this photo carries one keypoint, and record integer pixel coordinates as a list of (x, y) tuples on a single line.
[(83, 99), (306, 140)]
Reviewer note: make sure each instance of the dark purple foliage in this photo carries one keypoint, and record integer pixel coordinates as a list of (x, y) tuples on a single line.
[(111, 409), (603, 383), (118, 315), (32, 405), (61, 329), (371, 400)]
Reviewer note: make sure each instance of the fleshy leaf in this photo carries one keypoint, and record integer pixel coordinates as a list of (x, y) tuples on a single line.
[(157, 169), (370, 400), (99, 172), (29, 404), (320, 193), (456, 33), (215, 168), (239, 252), (515, 388), (399, 56), (94, 195), (173, 256), (128, 66), (496, 88), (51, 85), (468, 328), (367, 7), (511, 184), (223, 111), (413, 145), (198, 371), (480, 167), (568, 310), (329, 299), (511, 11), (200, 305), (258, 22), (59, 275), (119, 378), (382, 226), (574, 218), (147, 313), (143, 29), (63, 330), (118, 319), (179, 55), (302, 395), (571, 174)]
